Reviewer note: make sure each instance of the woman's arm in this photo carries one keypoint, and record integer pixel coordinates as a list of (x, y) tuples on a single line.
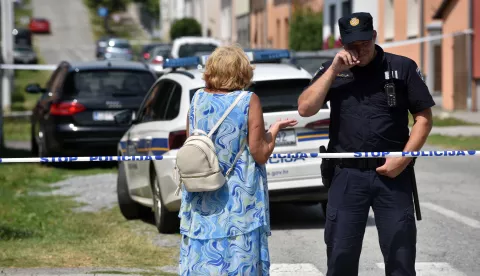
[(262, 143)]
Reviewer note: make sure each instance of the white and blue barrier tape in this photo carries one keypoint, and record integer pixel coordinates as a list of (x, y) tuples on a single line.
[(430, 153)]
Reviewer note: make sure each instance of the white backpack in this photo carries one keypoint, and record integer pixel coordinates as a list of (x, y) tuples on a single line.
[(197, 163)]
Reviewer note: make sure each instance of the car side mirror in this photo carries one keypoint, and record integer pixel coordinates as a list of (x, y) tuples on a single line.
[(125, 117), (34, 88)]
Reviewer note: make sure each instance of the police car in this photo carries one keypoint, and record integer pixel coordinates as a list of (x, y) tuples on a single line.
[(160, 126)]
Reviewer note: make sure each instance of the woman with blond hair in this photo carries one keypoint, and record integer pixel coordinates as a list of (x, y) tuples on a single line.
[(224, 232)]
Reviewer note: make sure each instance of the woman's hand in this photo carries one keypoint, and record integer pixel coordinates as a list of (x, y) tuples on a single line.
[(281, 124)]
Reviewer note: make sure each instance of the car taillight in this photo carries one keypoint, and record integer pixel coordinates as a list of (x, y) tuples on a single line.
[(146, 56), (158, 60), (319, 124), (66, 108), (176, 139)]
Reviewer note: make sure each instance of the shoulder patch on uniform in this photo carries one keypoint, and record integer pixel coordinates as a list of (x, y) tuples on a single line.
[(420, 74)]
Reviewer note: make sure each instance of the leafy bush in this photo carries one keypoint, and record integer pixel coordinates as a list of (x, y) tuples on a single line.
[(185, 27), (306, 30)]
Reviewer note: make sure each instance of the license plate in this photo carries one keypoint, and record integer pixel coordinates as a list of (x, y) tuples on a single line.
[(103, 116), (286, 138)]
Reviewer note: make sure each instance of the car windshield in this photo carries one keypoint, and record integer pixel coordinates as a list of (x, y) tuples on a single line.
[(121, 45), (311, 64), (193, 49), (23, 49), (108, 83), (277, 95)]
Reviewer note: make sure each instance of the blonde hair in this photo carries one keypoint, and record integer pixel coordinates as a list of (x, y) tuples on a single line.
[(228, 68)]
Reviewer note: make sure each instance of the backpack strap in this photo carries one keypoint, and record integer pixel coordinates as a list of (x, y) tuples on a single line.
[(226, 113), (240, 151)]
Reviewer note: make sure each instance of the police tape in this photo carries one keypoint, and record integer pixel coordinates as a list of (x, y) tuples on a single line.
[(298, 155)]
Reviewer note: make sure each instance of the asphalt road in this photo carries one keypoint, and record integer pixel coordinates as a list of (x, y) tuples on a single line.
[(448, 236), (71, 37)]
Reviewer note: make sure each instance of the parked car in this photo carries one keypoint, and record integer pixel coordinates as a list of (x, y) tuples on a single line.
[(312, 60), (145, 53), (159, 129), (75, 112), (24, 54), (157, 56), (39, 25), (101, 45), (118, 49), (22, 36), (192, 45)]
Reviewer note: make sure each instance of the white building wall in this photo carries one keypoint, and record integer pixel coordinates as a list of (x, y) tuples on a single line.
[(370, 6)]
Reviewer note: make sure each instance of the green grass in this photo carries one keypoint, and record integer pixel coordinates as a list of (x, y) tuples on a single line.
[(43, 231), (455, 142), (445, 122), (16, 130)]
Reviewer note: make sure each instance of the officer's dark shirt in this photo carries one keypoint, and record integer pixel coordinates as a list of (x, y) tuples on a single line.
[(360, 118)]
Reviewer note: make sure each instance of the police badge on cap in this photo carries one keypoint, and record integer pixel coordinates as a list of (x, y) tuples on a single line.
[(355, 27)]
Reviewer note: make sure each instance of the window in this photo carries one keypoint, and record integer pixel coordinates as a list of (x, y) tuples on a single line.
[(108, 83), (163, 102), (193, 49), (389, 18), (413, 19), (277, 95), (332, 18), (346, 8)]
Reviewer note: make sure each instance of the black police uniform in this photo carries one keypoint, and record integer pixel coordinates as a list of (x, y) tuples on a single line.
[(363, 121)]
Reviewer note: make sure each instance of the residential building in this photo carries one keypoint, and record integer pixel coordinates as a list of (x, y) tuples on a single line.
[(206, 12), (227, 25), (476, 56), (334, 9), (258, 24), (434, 33), (241, 23), (170, 11), (279, 13)]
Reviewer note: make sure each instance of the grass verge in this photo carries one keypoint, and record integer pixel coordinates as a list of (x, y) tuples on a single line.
[(455, 142), (43, 231), (16, 130), (445, 122)]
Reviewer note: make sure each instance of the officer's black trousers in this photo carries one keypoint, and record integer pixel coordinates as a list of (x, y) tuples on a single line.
[(351, 194)]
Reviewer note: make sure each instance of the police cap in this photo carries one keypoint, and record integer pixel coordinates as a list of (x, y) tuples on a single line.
[(354, 27)]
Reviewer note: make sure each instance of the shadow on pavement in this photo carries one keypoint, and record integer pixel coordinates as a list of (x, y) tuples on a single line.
[(292, 216)]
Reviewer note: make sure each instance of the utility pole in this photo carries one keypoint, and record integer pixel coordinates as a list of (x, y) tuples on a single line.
[(7, 53)]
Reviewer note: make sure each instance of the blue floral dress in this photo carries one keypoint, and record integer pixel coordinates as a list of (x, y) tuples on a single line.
[(225, 232)]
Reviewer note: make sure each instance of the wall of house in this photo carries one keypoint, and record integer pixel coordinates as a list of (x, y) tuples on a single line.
[(456, 19), (241, 10), (258, 10), (278, 23)]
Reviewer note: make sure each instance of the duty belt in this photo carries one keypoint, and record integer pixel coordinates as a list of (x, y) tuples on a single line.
[(364, 163), (360, 163)]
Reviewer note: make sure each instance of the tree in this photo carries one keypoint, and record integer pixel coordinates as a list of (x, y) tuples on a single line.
[(306, 30), (185, 27), (111, 5), (152, 7)]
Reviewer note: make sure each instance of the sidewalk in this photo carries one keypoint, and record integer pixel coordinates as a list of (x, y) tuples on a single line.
[(457, 131), (471, 117)]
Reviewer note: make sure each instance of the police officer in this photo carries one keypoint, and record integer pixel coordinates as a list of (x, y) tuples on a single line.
[(370, 93)]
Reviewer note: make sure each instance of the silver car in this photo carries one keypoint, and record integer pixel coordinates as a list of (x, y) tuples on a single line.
[(118, 49), (24, 54)]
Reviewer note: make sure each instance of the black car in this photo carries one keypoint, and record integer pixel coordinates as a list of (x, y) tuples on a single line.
[(74, 115)]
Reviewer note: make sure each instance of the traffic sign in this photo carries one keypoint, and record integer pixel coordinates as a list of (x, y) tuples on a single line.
[(102, 11)]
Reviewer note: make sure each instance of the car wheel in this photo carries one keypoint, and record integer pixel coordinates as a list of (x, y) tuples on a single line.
[(128, 207), (166, 222)]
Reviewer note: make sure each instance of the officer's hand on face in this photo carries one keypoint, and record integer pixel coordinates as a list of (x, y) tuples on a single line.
[(393, 166), (344, 60)]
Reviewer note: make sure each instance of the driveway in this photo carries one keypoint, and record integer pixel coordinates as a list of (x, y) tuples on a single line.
[(71, 38)]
